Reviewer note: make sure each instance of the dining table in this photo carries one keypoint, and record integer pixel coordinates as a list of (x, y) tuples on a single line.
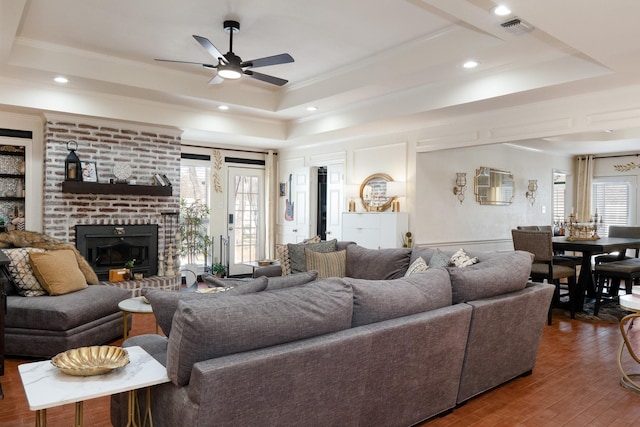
[(589, 248)]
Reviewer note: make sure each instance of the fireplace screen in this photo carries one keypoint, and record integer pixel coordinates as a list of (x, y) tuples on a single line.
[(108, 247)]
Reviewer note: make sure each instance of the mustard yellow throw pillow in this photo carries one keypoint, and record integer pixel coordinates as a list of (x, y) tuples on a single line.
[(57, 271)]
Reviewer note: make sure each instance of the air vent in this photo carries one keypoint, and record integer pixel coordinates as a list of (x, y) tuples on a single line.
[(517, 26)]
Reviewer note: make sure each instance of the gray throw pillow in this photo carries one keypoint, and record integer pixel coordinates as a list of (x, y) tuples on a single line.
[(297, 257), (378, 300), (207, 329), (439, 260), (377, 264), (280, 282), (165, 303)]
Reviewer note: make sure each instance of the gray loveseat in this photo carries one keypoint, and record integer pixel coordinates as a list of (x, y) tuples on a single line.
[(359, 350), (45, 325)]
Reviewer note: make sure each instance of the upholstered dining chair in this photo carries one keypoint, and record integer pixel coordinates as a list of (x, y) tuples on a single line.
[(619, 231), (539, 243), (558, 257)]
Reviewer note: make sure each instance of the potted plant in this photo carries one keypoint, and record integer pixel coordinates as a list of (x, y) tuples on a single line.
[(219, 270), (193, 229), (129, 266)]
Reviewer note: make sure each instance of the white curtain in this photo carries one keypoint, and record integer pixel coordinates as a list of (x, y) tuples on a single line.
[(270, 205), (583, 191)]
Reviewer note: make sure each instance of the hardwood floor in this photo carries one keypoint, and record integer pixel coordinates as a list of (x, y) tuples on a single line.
[(575, 383)]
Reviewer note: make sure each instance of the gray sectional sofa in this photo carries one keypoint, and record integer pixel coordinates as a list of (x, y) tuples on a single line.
[(374, 348)]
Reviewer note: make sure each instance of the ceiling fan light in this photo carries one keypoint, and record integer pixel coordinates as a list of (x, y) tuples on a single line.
[(229, 73)]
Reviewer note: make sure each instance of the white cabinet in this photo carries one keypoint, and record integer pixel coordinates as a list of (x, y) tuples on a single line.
[(375, 230)]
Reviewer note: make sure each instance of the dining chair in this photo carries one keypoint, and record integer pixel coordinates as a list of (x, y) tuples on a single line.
[(543, 267), (609, 276), (558, 257), (611, 269), (619, 231)]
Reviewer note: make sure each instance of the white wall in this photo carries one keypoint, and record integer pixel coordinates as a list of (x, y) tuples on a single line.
[(440, 220), (435, 216)]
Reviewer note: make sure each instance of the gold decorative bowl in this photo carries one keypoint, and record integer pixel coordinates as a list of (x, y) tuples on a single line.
[(265, 262), (87, 361)]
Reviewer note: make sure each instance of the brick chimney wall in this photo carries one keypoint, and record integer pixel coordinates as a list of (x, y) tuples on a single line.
[(146, 150)]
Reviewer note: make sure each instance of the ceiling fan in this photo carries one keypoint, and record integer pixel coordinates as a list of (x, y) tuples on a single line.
[(231, 66)]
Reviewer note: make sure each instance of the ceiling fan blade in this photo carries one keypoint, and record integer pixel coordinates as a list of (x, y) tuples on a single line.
[(266, 78), (209, 47), (188, 62), (283, 58), (216, 80)]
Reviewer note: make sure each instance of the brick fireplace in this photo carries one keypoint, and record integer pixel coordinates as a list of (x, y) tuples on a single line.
[(147, 150)]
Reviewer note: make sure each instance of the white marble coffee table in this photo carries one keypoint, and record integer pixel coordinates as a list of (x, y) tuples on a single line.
[(47, 387), (133, 305)]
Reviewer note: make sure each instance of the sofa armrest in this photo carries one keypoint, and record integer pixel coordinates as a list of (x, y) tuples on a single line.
[(269, 271)]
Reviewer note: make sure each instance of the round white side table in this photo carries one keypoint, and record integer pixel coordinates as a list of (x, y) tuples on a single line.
[(134, 305)]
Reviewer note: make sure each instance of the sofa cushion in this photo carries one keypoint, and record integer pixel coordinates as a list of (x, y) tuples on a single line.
[(165, 303), (496, 273), (377, 264), (208, 329), (330, 264), (281, 282), (57, 271), (64, 312), (22, 273), (297, 254), (378, 300)]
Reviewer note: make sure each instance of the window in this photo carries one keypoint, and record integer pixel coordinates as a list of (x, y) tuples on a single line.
[(611, 200), (195, 187), (559, 189)]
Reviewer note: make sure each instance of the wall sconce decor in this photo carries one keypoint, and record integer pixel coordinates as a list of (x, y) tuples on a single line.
[(461, 185), (532, 189), (72, 165)]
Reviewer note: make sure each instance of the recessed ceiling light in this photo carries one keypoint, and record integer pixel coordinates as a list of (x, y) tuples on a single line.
[(502, 10), (312, 108), (470, 64), (223, 107), (60, 79)]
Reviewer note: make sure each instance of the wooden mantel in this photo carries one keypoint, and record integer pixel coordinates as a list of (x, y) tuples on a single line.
[(80, 187)]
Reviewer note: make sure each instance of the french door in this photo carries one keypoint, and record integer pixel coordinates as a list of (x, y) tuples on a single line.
[(245, 218)]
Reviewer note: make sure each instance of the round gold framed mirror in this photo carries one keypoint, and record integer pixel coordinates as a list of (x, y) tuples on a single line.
[(373, 193)]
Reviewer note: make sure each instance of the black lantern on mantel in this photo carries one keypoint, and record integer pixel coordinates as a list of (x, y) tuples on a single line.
[(72, 166)]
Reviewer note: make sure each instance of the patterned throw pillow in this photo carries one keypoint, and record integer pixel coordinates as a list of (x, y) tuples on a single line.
[(461, 259), (329, 264), (21, 272), (282, 252), (417, 266)]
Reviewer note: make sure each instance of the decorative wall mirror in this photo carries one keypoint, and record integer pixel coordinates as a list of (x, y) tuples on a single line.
[(373, 193), (493, 186)]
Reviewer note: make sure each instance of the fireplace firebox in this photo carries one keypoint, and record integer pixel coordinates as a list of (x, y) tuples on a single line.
[(108, 247)]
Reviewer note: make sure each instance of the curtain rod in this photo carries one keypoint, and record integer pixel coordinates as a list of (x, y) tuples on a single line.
[(615, 156), (229, 149)]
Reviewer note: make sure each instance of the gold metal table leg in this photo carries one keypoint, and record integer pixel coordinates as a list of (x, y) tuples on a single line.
[(79, 414), (126, 325), (41, 418)]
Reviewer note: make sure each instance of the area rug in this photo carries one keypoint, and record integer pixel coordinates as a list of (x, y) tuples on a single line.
[(609, 312)]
